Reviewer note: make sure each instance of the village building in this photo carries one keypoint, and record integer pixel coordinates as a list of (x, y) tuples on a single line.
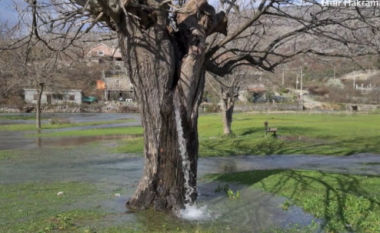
[(114, 81), (54, 97), (117, 86), (253, 93), (103, 52)]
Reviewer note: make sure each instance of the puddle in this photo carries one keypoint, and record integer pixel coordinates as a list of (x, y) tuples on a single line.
[(77, 141), (254, 211), (17, 140)]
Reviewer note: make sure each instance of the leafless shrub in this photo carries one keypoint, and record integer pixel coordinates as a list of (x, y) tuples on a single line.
[(318, 90)]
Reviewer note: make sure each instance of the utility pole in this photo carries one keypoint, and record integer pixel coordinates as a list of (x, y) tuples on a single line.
[(283, 77), (40, 89), (301, 94), (301, 82), (334, 72)]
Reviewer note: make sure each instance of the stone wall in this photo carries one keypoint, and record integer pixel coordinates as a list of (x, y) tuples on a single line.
[(108, 107)]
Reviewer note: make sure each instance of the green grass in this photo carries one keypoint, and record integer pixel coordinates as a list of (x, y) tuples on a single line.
[(298, 134), (35, 207), (344, 202), (9, 154), (32, 127)]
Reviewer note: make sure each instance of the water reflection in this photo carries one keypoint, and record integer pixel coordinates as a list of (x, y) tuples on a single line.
[(77, 141), (39, 139), (17, 140)]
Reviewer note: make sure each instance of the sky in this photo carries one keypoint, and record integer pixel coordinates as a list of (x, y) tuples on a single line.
[(8, 12)]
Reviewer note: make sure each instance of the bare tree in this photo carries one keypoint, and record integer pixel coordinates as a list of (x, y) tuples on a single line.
[(39, 69), (8, 76), (228, 89), (167, 47)]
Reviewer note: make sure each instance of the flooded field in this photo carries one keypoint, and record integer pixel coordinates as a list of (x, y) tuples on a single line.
[(78, 159), (120, 173), (19, 140)]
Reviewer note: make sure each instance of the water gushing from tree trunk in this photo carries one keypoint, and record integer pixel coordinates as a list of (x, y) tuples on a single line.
[(183, 153)]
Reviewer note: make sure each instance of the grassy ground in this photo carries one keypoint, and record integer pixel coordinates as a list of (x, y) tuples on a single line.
[(297, 134), (345, 202), (35, 207)]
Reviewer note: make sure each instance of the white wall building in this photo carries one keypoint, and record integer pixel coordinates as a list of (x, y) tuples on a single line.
[(54, 97)]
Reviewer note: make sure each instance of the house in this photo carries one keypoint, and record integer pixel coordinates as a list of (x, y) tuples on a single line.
[(103, 51), (54, 97), (253, 93), (117, 86), (114, 82)]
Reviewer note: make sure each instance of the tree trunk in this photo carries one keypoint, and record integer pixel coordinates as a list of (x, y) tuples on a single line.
[(38, 107), (228, 110), (169, 87)]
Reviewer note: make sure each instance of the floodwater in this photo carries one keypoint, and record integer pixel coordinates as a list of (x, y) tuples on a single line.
[(17, 140), (72, 117), (119, 173)]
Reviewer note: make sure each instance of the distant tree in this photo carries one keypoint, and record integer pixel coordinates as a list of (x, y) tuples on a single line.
[(39, 69), (228, 88)]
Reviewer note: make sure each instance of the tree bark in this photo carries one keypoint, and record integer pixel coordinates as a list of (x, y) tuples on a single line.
[(38, 106), (169, 87), (228, 110)]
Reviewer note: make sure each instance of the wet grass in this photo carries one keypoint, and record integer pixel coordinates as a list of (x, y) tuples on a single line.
[(297, 134), (345, 202), (36, 207), (312, 134), (9, 154), (373, 163), (32, 127)]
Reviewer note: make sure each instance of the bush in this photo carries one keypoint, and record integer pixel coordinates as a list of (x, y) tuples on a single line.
[(317, 90)]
